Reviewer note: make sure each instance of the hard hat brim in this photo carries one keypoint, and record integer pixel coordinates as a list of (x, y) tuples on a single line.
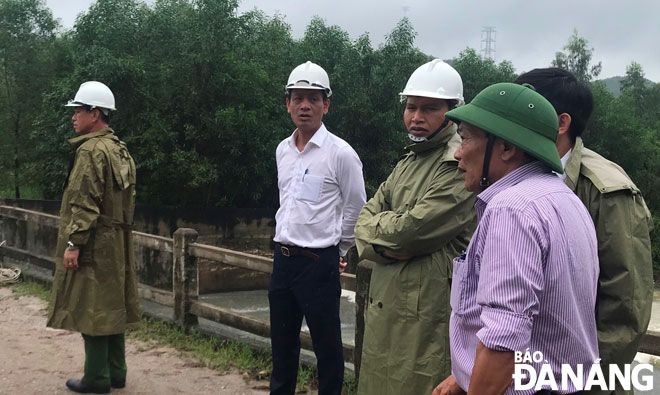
[(328, 91), (72, 103), (535, 144), (429, 95), (316, 88)]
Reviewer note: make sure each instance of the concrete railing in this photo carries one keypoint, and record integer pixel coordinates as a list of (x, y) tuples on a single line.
[(31, 237)]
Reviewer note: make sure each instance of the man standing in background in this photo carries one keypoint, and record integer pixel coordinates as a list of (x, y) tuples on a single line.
[(622, 220)]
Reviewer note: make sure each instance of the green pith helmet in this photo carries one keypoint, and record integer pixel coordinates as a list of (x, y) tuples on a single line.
[(517, 114)]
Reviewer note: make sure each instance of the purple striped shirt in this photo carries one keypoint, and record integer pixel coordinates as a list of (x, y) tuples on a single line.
[(528, 278)]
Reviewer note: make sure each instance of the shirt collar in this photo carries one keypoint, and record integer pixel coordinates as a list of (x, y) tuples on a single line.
[(572, 167), (564, 159), (317, 139), (509, 180)]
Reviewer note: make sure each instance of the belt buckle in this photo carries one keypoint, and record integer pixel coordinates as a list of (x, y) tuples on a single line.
[(285, 251)]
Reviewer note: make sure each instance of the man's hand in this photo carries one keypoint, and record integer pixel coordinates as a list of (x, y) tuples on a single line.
[(448, 387), (342, 264), (71, 258)]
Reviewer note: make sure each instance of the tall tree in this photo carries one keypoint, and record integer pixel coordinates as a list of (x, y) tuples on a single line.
[(478, 73), (633, 84), (27, 34), (577, 58)]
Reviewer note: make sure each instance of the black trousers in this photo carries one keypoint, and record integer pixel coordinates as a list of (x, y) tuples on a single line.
[(301, 286)]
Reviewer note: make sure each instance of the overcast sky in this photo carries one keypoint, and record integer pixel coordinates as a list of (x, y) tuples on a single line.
[(528, 32)]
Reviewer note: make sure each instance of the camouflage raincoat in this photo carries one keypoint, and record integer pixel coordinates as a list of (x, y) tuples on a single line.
[(625, 283)]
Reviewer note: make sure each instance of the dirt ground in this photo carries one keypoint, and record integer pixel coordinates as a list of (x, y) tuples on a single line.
[(38, 360)]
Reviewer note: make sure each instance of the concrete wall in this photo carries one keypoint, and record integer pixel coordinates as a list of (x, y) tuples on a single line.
[(38, 236), (247, 230)]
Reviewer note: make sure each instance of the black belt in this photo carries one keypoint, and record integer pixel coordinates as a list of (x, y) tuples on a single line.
[(290, 251)]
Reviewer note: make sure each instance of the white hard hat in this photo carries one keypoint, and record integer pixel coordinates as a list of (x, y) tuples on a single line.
[(94, 94), (435, 79), (309, 76)]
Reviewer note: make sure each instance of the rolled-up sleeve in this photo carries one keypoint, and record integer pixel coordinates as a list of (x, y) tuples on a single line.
[(511, 279)]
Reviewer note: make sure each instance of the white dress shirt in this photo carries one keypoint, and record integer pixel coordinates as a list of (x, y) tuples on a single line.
[(564, 159), (321, 192)]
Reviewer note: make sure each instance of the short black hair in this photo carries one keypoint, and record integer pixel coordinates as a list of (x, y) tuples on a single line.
[(287, 95), (103, 113), (566, 93)]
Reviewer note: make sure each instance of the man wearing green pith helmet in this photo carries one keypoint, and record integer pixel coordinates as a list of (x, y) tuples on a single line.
[(527, 282)]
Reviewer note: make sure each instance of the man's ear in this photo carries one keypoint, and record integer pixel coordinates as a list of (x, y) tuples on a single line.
[(564, 123), (507, 150), (96, 114)]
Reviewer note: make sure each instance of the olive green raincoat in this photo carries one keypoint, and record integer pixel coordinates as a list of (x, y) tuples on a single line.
[(422, 210), (100, 298), (623, 223)]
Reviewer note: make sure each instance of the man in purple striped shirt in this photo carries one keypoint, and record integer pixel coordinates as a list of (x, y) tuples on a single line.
[(527, 282)]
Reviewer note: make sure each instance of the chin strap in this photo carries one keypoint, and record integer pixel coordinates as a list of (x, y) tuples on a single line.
[(416, 139), (489, 150)]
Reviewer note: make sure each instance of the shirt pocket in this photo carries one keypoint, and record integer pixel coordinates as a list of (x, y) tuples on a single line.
[(458, 284), (308, 207), (310, 188)]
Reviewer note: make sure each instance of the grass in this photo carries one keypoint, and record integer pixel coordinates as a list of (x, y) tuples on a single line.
[(30, 289), (221, 355)]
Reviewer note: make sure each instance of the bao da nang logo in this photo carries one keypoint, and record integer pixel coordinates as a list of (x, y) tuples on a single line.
[(534, 372)]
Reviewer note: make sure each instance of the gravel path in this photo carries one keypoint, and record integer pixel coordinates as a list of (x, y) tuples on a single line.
[(38, 360)]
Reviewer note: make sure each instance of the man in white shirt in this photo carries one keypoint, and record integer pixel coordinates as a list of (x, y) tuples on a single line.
[(321, 193)]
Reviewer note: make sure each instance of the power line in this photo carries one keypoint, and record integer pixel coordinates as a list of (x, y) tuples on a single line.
[(488, 42)]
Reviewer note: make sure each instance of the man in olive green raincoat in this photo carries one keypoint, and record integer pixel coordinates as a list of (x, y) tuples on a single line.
[(622, 220), (95, 288), (420, 218)]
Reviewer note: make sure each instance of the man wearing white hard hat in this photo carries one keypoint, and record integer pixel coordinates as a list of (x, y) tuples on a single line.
[(95, 288), (321, 193), (419, 219)]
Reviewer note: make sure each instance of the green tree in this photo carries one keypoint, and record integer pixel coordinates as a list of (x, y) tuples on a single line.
[(618, 133), (368, 110), (478, 73), (633, 85), (577, 58), (27, 35)]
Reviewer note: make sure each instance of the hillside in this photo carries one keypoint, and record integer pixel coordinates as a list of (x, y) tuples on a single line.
[(614, 84)]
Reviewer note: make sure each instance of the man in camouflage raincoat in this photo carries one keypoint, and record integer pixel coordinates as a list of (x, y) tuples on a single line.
[(621, 217), (95, 288)]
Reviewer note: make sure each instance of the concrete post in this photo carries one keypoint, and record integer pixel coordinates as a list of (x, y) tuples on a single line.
[(363, 279), (185, 277)]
